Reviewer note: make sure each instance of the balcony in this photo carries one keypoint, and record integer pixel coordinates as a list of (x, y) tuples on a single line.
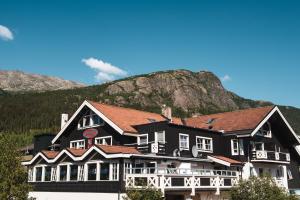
[(263, 155), (168, 179), (152, 147)]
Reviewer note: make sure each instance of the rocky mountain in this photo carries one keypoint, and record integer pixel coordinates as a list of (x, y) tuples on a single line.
[(188, 93), (191, 92), (19, 81)]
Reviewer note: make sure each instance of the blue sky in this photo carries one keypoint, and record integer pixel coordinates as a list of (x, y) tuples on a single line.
[(255, 43)]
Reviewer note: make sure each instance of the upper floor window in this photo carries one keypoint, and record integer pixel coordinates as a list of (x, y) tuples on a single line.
[(38, 173), (237, 147), (160, 137), (258, 146), (265, 130), (204, 144), (77, 144), (107, 140), (142, 139), (48, 173), (90, 119), (184, 141)]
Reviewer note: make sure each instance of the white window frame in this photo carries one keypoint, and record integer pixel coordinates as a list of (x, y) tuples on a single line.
[(261, 131), (139, 139), (188, 141), (98, 167), (90, 115), (262, 146), (104, 137), (234, 151), (203, 142), (156, 138), (58, 172), (77, 144)]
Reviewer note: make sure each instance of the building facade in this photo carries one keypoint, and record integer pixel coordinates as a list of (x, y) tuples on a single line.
[(104, 150)]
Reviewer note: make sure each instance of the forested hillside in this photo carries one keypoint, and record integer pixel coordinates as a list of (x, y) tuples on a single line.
[(23, 115)]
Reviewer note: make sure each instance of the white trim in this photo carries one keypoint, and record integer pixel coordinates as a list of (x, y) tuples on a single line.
[(104, 137), (205, 150), (120, 155), (139, 138), (222, 162), (267, 118), (188, 141), (101, 115), (270, 161)]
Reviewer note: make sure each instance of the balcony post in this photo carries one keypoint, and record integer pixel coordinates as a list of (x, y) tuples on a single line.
[(162, 184), (193, 185), (218, 185)]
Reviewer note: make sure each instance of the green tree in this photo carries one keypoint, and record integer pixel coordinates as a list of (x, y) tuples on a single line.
[(13, 176), (259, 188), (146, 193)]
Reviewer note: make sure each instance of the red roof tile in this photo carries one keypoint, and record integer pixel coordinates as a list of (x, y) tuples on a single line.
[(231, 121), (50, 154), (127, 118), (77, 152), (229, 160), (118, 149)]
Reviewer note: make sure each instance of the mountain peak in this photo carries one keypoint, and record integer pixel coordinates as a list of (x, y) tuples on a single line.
[(15, 80)]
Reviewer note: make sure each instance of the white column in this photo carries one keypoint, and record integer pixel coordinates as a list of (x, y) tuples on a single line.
[(285, 178), (43, 173), (98, 171), (68, 172)]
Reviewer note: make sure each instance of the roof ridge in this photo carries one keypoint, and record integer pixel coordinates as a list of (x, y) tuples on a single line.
[(234, 111), (125, 108)]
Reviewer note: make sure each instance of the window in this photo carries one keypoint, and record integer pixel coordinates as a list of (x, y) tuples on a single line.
[(107, 140), (289, 174), (237, 147), (265, 130), (73, 172), (204, 144), (259, 146), (104, 171), (143, 139), (90, 119), (92, 171), (234, 147), (183, 141), (63, 172), (279, 171), (260, 171), (47, 173), (38, 173), (114, 171), (127, 169), (160, 137), (77, 144), (53, 175), (81, 173)]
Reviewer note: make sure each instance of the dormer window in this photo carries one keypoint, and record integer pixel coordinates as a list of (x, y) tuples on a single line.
[(265, 130), (90, 119), (106, 140), (77, 144)]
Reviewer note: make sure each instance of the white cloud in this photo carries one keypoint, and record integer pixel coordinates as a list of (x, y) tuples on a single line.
[(105, 71), (226, 78), (5, 33)]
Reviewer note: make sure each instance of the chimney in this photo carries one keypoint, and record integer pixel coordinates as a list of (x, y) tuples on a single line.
[(166, 111), (64, 120)]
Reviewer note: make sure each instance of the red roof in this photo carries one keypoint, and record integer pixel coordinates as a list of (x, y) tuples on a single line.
[(77, 152), (231, 121), (50, 154), (229, 160), (127, 118), (113, 149)]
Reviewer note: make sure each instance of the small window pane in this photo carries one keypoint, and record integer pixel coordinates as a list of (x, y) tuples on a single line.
[(92, 172), (38, 173), (63, 173), (48, 173), (73, 172), (104, 171)]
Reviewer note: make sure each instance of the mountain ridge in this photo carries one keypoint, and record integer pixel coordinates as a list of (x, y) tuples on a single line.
[(18, 81)]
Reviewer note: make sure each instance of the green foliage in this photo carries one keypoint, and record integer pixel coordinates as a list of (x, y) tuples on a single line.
[(143, 194), (13, 176), (259, 188)]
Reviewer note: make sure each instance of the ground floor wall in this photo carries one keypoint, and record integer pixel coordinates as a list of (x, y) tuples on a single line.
[(75, 196)]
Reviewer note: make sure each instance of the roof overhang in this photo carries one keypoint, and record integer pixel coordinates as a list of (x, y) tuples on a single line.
[(75, 158), (223, 162)]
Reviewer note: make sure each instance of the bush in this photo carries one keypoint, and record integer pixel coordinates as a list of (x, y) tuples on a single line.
[(143, 194), (259, 188)]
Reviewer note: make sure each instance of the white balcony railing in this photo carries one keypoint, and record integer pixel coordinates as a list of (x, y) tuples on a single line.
[(177, 179), (271, 155)]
